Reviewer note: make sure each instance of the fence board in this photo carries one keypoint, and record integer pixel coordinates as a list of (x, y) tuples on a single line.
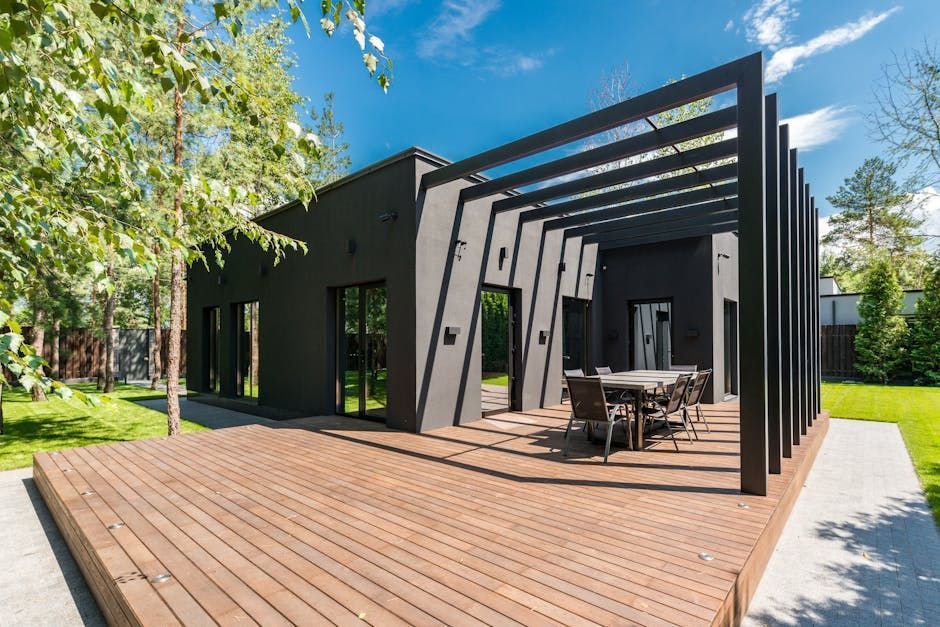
[(837, 354)]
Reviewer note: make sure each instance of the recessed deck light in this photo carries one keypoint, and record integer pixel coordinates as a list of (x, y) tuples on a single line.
[(116, 525), (706, 557), (88, 493), (744, 506), (160, 578)]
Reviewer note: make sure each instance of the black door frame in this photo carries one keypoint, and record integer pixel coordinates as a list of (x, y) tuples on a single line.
[(512, 343), (585, 329), (340, 374), (631, 351), (730, 348)]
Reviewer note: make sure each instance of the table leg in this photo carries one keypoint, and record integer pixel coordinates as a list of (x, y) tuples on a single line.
[(638, 436)]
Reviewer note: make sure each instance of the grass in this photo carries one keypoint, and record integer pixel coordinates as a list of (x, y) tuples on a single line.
[(58, 424), (916, 410), (496, 378), (378, 391)]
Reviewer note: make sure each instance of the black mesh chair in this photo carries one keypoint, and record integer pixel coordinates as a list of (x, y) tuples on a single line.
[(574, 373), (589, 405), (673, 406), (603, 370), (694, 399)]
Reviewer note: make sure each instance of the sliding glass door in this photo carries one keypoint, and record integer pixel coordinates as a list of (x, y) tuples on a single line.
[(247, 365), (651, 335), (362, 350), (212, 332)]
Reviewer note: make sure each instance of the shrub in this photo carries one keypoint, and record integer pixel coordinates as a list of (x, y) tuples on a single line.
[(925, 332), (880, 341)]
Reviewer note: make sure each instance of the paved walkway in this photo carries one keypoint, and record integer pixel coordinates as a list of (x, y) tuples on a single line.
[(861, 547), (209, 415)]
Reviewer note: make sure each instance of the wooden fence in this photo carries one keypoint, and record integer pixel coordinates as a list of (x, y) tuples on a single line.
[(81, 352), (837, 351)]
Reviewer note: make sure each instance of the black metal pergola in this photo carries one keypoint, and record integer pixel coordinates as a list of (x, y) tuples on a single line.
[(750, 184)]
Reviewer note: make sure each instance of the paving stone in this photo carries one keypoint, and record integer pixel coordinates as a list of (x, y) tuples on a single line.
[(861, 545)]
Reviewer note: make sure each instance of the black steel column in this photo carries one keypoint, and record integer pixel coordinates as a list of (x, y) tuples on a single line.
[(772, 273), (808, 338), (797, 299), (786, 299), (752, 284), (817, 359), (801, 337)]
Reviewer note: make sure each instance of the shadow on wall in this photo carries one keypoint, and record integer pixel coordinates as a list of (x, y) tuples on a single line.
[(884, 581)]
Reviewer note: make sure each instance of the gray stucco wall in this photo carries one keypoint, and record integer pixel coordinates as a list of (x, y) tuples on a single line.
[(448, 280), (725, 280)]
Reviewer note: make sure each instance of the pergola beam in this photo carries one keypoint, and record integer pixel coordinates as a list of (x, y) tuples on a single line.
[(710, 153), (682, 182), (700, 126), (696, 231), (691, 89), (729, 217), (656, 206)]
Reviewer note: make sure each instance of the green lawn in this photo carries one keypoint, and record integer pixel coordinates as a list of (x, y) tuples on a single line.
[(56, 424), (377, 391), (916, 410), (495, 378)]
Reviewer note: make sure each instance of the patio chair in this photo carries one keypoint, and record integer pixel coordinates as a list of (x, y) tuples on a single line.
[(674, 405), (574, 373), (696, 391), (590, 406), (603, 370), (681, 368)]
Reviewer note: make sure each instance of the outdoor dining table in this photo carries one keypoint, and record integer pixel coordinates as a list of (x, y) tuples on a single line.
[(639, 382)]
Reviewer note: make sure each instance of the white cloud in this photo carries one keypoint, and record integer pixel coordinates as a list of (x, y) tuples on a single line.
[(785, 60), (767, 22), (507, 62), (729, 25), (929, 201), (813, 129), (451, 31)]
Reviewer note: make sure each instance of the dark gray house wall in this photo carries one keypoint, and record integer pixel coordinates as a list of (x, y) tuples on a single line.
[(432, 283), (297, 297), (683, 272)]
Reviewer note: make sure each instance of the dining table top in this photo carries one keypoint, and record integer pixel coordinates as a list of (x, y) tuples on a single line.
[(640, 379)]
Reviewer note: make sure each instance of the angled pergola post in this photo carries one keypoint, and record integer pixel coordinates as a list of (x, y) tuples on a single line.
[(810, 280), (786, 298), (772, 208), (796, 301)]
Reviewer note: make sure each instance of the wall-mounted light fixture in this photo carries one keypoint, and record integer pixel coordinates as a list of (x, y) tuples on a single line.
[(262, 270), (388, 216), (459, 246), (543, 336), (452, 331), (503, 253), (221, 279), (720, 257), (561, 266)]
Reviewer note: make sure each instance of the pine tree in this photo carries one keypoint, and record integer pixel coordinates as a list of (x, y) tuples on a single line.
[(876, 216), (879, 343), (925, 332)]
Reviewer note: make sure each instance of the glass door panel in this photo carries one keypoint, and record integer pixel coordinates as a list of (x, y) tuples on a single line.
[(362, 350), (652, 335), (247, 365), (376, 344)]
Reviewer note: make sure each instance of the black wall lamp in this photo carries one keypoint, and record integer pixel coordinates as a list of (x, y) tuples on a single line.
[(388, 216)]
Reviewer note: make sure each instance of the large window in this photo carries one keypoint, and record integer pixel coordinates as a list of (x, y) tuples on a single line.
[(362, 350), (211, 332), (247, 349)]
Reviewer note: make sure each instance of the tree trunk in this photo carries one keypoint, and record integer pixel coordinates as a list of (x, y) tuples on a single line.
[(108, 329), (157, 330), (54, 357), (176, 261), (39, 337)]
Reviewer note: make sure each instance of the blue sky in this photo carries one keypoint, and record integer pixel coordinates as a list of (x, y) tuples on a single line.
[(472, 74)]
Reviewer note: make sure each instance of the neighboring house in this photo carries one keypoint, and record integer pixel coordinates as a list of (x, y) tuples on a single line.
[(381, 317), (841, 308)]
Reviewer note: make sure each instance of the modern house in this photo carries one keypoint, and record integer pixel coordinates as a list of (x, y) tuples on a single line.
[(841, 308), (679, 257)]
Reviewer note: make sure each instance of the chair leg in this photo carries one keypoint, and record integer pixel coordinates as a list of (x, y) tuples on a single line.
[(610, 433), (688, 420), (672, 434), (567, 433), (685, 426), (701, 416)]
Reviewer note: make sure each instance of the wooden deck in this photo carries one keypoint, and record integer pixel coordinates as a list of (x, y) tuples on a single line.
[(336, 520)]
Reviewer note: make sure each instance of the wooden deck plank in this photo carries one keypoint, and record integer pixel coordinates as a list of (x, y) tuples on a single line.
[(337, 520)]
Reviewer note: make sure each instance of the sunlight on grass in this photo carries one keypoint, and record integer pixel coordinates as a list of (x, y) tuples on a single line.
[(916, 410), (57, 424), (495, 378)]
